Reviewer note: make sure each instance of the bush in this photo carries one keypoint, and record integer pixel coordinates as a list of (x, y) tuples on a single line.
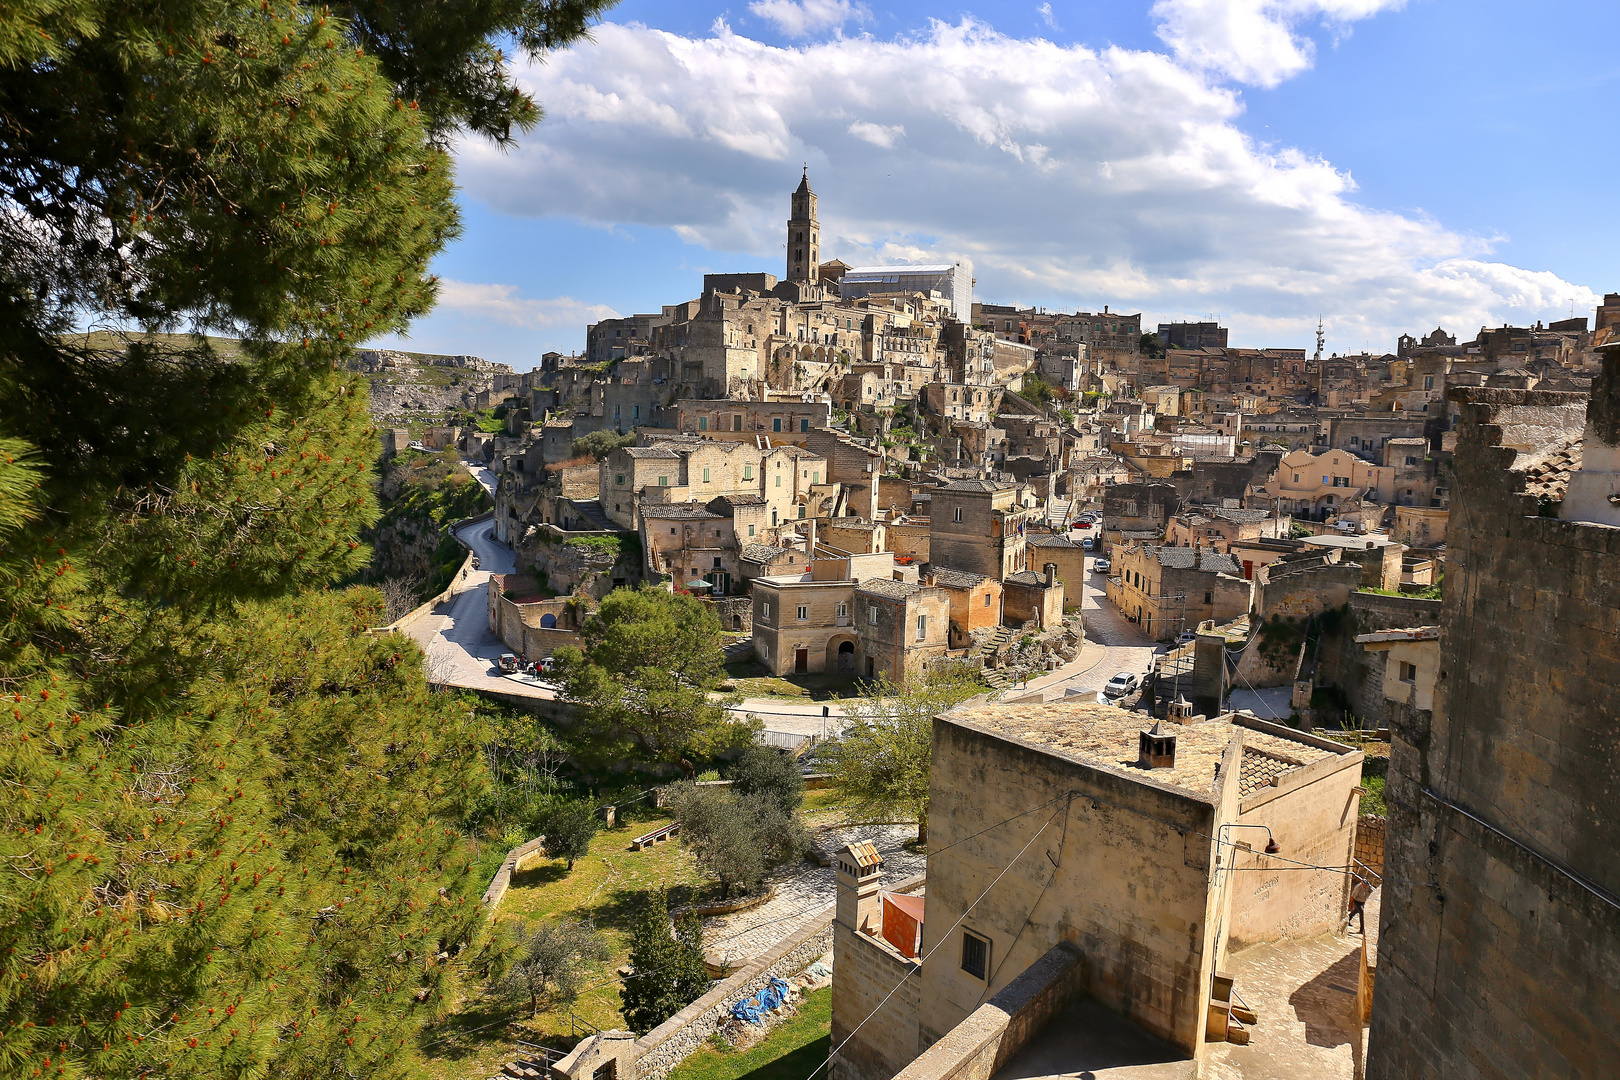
[(737, 839), (569, 827), (545, 964), (599, 444), (667, 972), (770, 774)]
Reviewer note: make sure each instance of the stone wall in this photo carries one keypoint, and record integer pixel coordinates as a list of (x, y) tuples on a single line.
[(1500, 937), (515, 859), (874, 1008), (1370, 845), (978, 1047), (668, 1044)]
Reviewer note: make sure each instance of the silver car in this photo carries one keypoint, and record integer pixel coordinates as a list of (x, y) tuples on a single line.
[(1121, 685)]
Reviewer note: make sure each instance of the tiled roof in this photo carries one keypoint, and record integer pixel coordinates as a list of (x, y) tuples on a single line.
[(1260, 769), (1549, 478), (956, 579), (1050, 540), (651, 452), (737, 500), (761, 552), (1185, 558), (1025, 577), (887, 588), (1242, 517), (678, 512), (974, 485)]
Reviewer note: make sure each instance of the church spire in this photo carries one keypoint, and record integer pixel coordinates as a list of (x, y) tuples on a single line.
[(804, 233)]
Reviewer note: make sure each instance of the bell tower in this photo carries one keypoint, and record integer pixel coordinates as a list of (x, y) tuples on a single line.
[(804, 234)]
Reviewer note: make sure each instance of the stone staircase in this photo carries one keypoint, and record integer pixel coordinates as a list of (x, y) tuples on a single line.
[(991, 642), (1058, 511)]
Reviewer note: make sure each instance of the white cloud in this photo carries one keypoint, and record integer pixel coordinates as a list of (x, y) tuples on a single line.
[(1045, 12), (502, 304), (1254, 41), (877, 134), (801, 18), (1066, 174)]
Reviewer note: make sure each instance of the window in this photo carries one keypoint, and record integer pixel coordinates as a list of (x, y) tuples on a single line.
[(804, 425), (663, 481), (705, 476), (765, 609), (1296, 478), (703, 423), (748, 472), (635, 412), (750, 530), (804, 612), (986, 599), (922, 627), (778, 479), (801, 512), (672, 530), (1428, 382), (618, 478), (843, 611), (1209, 598), (975, 954), (736, 423), (776, 424), (1410, 460), (1408, 672), (871, 615), (764, 650), (956, 514), (815, 476)]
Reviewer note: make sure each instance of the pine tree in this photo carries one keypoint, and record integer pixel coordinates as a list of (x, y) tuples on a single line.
[(667, 971), (229, 841)]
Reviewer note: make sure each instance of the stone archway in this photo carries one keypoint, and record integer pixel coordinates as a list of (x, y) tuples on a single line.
[(841, 655)]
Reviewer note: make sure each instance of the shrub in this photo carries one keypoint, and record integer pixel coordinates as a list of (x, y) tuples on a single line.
[(770, 774)]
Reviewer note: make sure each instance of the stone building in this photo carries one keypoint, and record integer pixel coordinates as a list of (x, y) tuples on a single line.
[(1170, 589), (1500, 924), (975, 602), (979, 526), (1152, 855), (1028, 597), (1138, 508), (854, 615)]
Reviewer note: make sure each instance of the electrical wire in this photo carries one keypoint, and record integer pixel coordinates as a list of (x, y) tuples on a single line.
[(942, 940)]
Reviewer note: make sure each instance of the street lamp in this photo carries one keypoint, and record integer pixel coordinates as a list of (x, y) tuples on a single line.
[(1272, 847)]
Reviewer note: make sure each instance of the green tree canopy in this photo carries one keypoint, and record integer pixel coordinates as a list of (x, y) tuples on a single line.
[(569, 826), (230, 833), (547, 963), (736, 838), (643, 678), (882, 760), (666, 968), (771, 774), (599, 444)]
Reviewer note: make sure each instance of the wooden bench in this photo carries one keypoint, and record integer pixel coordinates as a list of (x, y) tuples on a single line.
[(647, 840)]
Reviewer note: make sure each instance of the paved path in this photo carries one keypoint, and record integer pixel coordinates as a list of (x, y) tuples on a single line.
[(804, 891), (1113, 644)]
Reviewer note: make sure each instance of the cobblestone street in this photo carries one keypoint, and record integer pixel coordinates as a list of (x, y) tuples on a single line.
[(804, 891)]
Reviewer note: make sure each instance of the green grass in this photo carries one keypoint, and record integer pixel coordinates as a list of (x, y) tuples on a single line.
[(792, 1051), (751, 682), (607, 886)]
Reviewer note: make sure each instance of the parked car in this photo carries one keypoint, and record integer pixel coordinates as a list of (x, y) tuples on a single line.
[(547, 665), (508, 663), (1121, 685), (1102, 566), (1187, 635), (1086, 543)]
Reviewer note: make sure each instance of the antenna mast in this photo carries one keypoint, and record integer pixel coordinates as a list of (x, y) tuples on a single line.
[(1319, 339)]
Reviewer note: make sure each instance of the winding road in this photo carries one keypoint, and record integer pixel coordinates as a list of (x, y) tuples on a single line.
[(461, 649)]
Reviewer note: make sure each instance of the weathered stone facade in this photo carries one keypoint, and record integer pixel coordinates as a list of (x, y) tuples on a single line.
[(1500, 949)]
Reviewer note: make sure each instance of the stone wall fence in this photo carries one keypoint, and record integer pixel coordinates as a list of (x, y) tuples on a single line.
[(655, 1054), (515, 860), (449, 590), (1370, 845)]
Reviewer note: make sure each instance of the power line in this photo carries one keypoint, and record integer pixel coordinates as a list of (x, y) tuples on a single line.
[(943, 938)]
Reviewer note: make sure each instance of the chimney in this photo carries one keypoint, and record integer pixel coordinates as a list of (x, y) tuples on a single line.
[(1156, 748), (857, 884), (1051, 574)]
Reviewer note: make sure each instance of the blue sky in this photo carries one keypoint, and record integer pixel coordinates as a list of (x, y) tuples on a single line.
[(1387, 165)]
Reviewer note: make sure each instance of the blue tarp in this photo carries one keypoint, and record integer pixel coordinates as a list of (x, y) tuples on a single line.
[(753, 1010)]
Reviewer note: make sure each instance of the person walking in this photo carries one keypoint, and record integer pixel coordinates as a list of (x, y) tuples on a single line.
[(1360, 891)]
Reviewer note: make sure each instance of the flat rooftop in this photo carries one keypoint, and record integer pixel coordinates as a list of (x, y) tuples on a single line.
[(1109, 738)]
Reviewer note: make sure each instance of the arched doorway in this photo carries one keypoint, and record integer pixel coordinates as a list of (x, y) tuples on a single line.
[(548, 621), (841, 656)]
